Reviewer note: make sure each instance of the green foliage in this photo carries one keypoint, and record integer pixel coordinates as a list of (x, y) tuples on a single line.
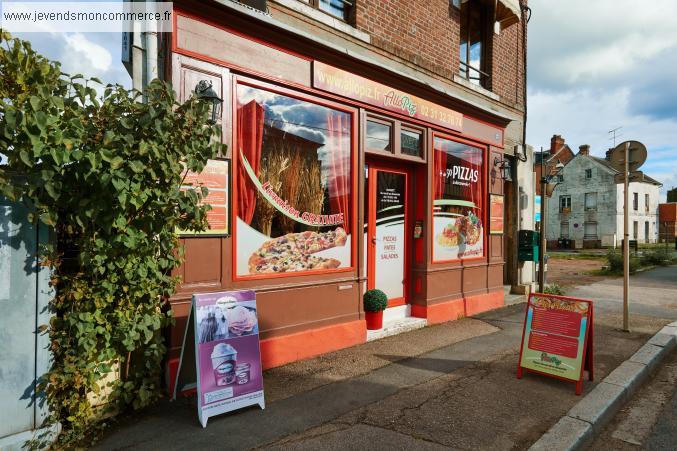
[(555, 289), (656, 257), (104, 171), (375, 301), (615, 260)]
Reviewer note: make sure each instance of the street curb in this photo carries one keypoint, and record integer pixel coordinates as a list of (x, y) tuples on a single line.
[(577, 429)]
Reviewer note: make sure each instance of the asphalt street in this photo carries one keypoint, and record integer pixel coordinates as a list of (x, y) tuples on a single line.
[(652, 293), (649, 420), (451, 385)]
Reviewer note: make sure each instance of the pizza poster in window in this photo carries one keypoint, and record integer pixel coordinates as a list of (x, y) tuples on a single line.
[(293, 185), (458, 179)]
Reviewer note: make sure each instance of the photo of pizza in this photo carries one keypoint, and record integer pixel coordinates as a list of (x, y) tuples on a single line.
[(449, 235), (295, 252), (462, 230), (470, 228)]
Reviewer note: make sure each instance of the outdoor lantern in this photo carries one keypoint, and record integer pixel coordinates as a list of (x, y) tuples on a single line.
[(504, 166), (205, 91)]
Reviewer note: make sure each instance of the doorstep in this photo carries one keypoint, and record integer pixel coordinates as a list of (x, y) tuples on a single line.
[(397, 320)]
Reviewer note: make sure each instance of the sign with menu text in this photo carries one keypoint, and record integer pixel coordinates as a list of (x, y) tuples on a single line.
[(557, 338), (216, 178), (496, 214), (224, 331)]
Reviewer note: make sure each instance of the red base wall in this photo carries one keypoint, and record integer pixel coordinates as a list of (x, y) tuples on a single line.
[(458, 308)]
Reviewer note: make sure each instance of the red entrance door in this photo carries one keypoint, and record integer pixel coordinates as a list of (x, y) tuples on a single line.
[(386, 231)]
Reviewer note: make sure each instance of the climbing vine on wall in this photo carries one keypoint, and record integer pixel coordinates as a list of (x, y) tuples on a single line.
[(103, 168)]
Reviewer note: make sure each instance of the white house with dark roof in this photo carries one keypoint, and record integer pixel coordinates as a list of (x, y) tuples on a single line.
[(586, 206)]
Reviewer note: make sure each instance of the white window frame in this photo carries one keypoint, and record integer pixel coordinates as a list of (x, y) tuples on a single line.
[(564, 202)]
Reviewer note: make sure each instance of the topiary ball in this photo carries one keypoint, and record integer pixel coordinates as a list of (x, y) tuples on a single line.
[(375, 301)]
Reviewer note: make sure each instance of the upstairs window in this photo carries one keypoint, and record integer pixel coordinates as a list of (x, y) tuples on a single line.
[(564, 204), (646, 202), (591, 201), (474, 51), (635, 201), (341, 9), (588, 174)]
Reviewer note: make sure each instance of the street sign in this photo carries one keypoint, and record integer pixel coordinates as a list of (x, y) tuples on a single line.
[(634, 176), (557, 338), (637, 158), (627, 158)]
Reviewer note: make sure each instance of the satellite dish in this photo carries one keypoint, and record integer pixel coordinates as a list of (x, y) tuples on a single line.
[(637, 153)]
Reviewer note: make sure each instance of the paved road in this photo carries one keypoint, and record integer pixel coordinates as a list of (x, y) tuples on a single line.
[(649, 420), (664, 433), (652, 293)]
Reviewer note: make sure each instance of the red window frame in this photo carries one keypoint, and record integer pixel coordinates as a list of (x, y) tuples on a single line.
[(241, 80), (484, 197)]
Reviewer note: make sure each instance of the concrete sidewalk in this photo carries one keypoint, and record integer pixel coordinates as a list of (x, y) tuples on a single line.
[(451, 385)]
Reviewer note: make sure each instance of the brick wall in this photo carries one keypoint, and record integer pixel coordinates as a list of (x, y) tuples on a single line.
[(428, 35), (424, 33), (507, 65)]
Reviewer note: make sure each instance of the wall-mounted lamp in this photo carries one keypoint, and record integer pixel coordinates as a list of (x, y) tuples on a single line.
[(205, 92), (504, 167)]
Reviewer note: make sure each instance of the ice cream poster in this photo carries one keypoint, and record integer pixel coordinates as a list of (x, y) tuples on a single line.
[(227, 353)]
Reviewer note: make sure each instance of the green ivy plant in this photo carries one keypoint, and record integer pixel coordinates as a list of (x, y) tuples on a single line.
[(104, 169)]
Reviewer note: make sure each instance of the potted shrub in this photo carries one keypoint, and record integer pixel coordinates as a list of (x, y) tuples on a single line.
[(375, 302)]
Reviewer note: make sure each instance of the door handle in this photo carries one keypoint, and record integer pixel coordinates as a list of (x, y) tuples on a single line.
[(373, 240)]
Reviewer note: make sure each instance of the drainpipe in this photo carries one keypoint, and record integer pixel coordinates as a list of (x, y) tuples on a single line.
[(151, 56), (137, 58)]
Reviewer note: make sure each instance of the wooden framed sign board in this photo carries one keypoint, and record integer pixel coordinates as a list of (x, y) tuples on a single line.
[(557, 338)]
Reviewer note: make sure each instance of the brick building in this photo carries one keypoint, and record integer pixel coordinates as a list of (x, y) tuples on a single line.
[(667, 222), (547, 162), (413, 117)]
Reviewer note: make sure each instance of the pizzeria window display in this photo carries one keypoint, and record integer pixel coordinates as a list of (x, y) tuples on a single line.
[(294, 185), (458, 178)]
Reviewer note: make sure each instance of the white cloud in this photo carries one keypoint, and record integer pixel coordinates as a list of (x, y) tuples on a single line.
[(87, 53), (595, 66)]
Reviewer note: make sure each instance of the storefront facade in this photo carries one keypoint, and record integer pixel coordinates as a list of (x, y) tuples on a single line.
[(344, 177)]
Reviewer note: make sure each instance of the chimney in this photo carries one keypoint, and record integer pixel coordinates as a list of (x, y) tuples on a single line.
[(608, 155), (584, 149), (555, 143)]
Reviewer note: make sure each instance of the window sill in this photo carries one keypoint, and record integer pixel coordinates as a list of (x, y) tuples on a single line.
[(463, 82), (324, 18)]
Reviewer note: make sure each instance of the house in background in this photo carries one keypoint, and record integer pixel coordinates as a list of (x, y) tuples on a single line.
[(550, 161), (587, 205), (667, 219)]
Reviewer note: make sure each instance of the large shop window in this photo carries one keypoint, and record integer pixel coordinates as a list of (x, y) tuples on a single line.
[(294, 202), (458, 205)]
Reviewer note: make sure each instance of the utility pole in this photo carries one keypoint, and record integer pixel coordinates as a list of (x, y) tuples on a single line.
[(626, 241), (541, 248)]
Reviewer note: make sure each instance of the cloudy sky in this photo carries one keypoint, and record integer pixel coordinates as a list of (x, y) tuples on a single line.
[(598, 65), (593, 66)]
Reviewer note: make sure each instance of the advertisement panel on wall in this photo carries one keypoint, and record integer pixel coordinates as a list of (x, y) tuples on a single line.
[(294, 185), (557, 338), (224, 331), (496, 212), (458, 205), (215, 177)]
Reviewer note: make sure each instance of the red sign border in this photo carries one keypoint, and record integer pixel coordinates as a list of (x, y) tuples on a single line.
[(588, 353)]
